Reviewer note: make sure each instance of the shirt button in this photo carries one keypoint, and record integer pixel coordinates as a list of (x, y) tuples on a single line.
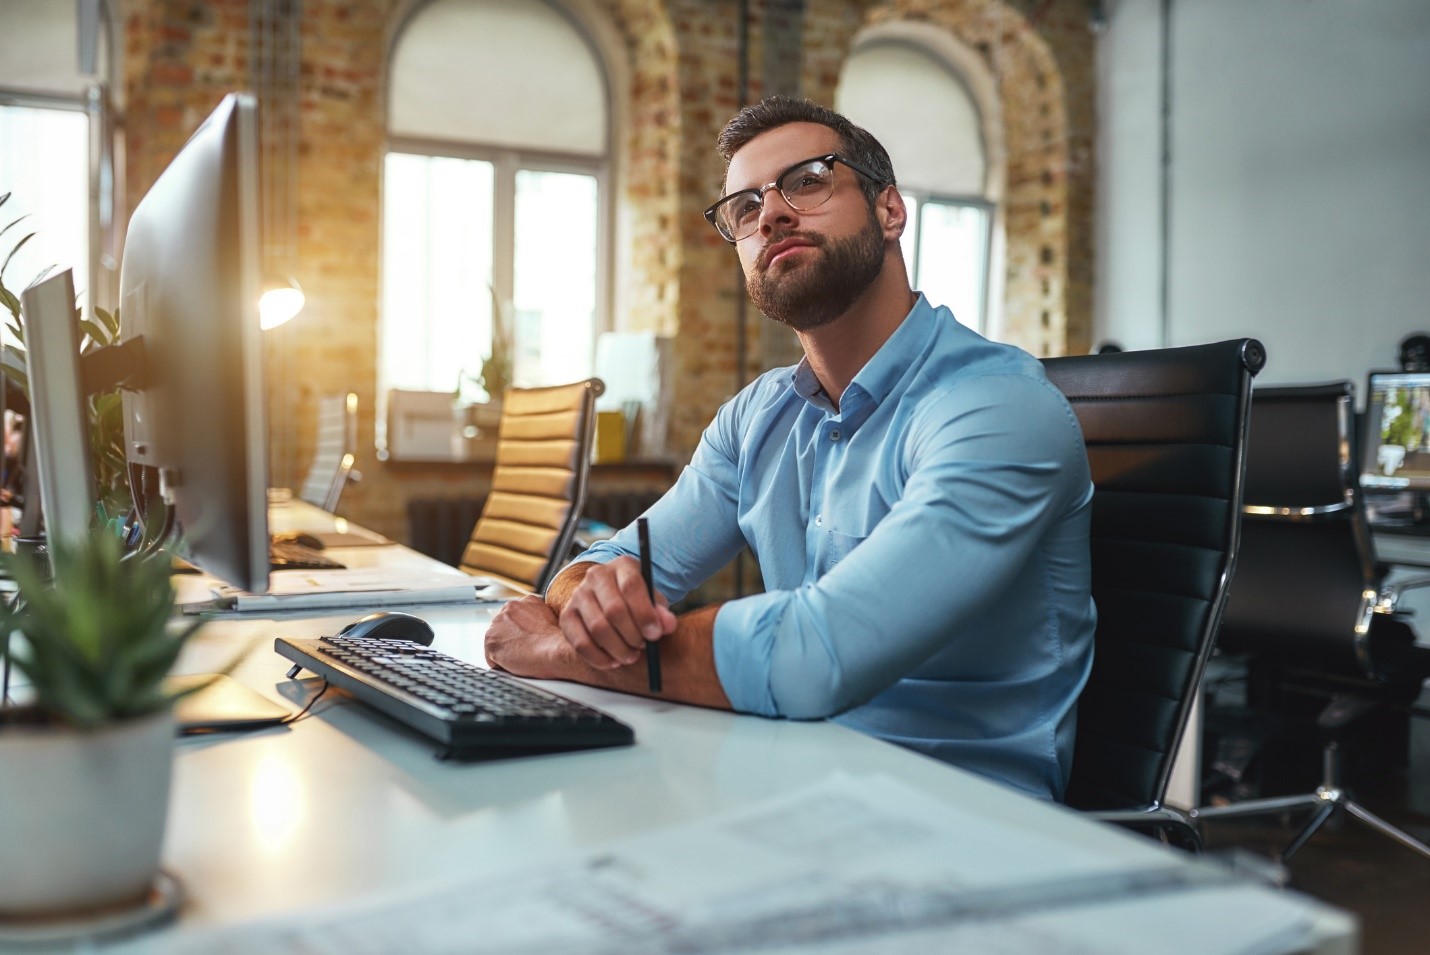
[(819, 520), (834, 435)]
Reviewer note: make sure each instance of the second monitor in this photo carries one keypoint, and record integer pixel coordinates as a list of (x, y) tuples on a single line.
[(1395, 455)]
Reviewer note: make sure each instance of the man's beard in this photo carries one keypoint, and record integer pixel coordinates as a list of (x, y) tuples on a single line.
[(816, 293)]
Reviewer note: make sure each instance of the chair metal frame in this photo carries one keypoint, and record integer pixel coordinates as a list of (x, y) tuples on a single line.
[(343, 463)]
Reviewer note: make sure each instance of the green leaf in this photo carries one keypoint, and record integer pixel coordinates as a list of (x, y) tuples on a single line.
[(14, 222), (18, 246), (12, 304), (110, 320), (97, 333)]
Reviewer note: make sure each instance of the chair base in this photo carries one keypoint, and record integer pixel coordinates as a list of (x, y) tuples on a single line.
[(1326, 801)]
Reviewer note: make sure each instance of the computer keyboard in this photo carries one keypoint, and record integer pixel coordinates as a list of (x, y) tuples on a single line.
[(290, 555), (470, 710)]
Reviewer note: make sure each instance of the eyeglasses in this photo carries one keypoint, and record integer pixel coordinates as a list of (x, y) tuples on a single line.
[(806, 185)]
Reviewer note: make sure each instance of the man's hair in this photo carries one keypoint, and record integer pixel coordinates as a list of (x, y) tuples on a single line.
[(855, 142)]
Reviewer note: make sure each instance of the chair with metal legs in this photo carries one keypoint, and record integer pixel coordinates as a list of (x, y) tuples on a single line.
[(1309, 604)]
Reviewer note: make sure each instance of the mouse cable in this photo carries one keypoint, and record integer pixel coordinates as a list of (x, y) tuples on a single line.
[(322, 692)]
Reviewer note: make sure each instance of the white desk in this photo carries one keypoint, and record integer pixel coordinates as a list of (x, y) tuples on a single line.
[(347, 803)]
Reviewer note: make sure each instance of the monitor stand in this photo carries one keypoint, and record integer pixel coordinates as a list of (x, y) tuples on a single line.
[(1405, 512)]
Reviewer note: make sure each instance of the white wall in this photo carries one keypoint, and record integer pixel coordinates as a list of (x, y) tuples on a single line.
[(1300, 179)]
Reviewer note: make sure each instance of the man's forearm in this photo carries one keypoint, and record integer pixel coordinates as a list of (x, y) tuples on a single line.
[(687, 655), (687, 665)]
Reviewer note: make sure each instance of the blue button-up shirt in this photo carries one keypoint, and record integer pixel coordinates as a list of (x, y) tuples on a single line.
[(924, 548)]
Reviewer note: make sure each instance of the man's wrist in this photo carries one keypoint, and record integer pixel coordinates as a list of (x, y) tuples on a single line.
[(559, 591)]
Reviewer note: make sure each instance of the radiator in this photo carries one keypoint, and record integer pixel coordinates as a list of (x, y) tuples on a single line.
[(439, 526)]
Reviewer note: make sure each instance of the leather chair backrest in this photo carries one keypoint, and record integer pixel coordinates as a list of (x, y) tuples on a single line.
[(1165, 432), (334, 453), (543, 458), (1300, 594)]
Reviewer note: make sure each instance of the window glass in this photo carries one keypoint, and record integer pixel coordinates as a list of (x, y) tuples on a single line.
[(44, 155), (908, 242), (437, 269), (555, 290), (952, 263)]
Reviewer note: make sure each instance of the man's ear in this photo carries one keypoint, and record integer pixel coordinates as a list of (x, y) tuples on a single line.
[(891, 212)]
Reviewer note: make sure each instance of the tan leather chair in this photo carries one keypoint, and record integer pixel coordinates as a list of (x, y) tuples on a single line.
[(524, 533), (335, 454)]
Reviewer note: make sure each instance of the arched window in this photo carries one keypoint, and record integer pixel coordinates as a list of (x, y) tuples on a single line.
[(495, 195), (921, 110)]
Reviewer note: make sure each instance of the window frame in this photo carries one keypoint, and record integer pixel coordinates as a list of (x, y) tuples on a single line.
[(985, 266)]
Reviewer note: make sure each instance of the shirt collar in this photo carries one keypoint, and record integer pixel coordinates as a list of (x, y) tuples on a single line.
[(882, 372)]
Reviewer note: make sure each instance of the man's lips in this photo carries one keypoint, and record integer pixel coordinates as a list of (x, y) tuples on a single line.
[(777, 249)]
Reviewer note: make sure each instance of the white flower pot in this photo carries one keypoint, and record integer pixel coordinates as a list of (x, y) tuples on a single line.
[(82, 814)]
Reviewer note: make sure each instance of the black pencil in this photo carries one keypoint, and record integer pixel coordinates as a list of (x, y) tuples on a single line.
[(652, 648)]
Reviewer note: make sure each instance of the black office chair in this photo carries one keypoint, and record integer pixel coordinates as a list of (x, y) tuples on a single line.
[(334, 454), (1310, 606), (524, 534), (1165, 432)]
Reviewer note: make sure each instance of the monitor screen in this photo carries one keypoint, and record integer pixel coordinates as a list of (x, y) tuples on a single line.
[(189, 285), (60, 436), (1396, 452)]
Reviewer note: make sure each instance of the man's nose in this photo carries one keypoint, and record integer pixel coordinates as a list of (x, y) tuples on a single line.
[(776, 211)]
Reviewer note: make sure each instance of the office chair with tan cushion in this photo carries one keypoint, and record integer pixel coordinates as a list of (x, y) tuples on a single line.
[(1311, 608), (524, 533), (1165, 432), (335, 452)]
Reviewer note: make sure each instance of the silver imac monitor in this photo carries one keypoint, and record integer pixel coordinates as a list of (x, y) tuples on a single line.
[(59, 422), (189, 289)]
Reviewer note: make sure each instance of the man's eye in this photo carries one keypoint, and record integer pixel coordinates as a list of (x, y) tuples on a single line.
[(806, 180), (745, 209)]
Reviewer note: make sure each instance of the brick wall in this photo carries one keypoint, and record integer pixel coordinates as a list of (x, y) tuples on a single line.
[(677, 276)]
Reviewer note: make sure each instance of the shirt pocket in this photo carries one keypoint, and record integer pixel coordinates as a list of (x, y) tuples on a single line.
[(841, 544)]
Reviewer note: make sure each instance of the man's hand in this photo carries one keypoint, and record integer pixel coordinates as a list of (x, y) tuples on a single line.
[(524, 638), (608, 617)]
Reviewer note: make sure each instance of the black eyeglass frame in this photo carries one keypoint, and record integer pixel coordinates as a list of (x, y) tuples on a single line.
[(828, 158)]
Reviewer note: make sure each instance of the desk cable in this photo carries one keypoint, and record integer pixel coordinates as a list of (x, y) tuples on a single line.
[(322, 692)]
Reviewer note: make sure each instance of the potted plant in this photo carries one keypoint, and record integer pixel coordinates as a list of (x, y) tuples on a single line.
[(496, 370), (106, 411), (84, 790)]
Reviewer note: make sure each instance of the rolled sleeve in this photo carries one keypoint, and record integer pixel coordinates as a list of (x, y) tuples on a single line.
[(745, 633)]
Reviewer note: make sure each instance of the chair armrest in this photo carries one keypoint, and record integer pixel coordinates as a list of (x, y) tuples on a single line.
[(1163, 822)]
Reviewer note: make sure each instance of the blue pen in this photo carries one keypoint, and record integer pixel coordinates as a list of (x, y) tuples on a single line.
[(652, 648)]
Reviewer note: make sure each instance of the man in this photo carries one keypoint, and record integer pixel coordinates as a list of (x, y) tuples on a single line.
[(917, 498)]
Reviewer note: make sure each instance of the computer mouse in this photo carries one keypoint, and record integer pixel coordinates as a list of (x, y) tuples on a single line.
[(390, 625), (301, 537)]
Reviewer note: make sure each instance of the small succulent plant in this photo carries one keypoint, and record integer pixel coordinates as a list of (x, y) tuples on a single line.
[(94, 641)]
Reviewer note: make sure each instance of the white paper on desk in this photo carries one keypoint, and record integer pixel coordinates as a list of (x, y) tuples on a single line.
[(851, 864), (292, 589)]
